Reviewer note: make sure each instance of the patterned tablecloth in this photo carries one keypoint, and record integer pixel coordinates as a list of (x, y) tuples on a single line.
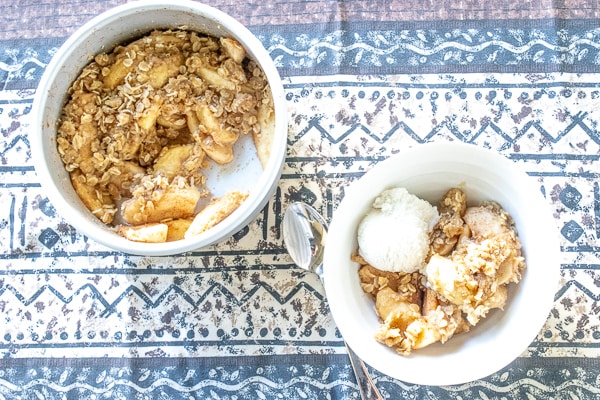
[(238, 320)]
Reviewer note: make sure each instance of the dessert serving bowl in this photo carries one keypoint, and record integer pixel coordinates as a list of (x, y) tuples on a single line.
[(120, 26), (428, 171)]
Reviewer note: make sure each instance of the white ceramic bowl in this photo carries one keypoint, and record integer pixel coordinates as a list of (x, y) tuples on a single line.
[(102, 33), (428, 171)]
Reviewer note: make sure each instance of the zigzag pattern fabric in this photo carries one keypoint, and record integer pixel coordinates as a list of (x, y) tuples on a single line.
[(80, 318)]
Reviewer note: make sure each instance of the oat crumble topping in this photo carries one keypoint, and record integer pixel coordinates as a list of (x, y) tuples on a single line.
[(474, 254), (143, 120)]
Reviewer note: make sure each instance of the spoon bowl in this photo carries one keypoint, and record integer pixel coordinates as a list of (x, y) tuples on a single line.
[(304, 233)]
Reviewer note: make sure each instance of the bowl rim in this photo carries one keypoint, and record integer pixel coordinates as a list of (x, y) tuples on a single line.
[(262, 190), (422, 367)]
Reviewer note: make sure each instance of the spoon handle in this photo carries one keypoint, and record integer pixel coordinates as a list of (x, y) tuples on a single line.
[(366, 386), (304, 232)]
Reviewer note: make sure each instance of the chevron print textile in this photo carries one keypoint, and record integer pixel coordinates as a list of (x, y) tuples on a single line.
[(238, 320)]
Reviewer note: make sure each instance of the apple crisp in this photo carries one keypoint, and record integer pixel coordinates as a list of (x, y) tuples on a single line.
[(144, 120), (474, 254)]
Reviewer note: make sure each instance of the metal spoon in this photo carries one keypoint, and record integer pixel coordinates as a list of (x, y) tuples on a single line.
[(304, 233)]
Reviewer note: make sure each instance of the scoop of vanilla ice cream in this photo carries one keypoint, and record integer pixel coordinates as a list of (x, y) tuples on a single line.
[(394, 235)]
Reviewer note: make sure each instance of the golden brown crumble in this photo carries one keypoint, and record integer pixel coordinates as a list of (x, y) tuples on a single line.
[(143, 120), (474, 253)]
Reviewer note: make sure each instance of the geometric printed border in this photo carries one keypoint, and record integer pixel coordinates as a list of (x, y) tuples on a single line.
[(317, 377), (534, 46)]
